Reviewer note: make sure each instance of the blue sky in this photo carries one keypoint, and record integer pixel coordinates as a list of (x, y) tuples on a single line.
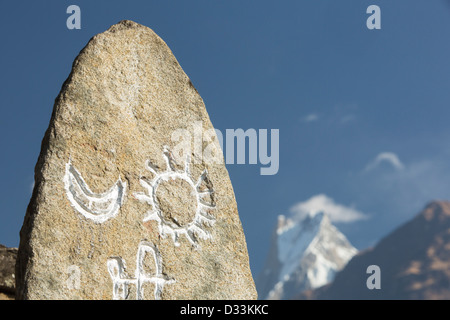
[(363, 114)]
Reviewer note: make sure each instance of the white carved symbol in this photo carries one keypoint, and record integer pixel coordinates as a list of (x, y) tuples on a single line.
[(94, 206), (170, 226), (121, 282)]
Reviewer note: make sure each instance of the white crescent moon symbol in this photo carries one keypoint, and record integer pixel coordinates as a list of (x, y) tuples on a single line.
[(98, 207)]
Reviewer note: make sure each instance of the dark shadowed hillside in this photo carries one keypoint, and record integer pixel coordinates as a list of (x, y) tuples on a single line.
[(7, 279), (414, 261)]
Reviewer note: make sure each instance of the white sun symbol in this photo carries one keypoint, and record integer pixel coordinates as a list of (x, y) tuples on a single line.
[(179, 205)]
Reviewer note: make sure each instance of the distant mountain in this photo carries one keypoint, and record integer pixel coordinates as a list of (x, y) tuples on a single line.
[(414, 263), (304, 254)]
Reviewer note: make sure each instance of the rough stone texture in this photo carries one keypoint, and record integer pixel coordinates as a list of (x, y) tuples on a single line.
[(105, 149), (7, 278)]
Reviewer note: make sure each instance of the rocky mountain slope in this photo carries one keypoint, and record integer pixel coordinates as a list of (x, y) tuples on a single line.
[(304, 254), (414, 262), (7, 279)]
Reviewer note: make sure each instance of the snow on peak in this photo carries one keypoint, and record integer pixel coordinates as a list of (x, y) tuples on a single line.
[(293, 241), (285, 224), (309, 252)]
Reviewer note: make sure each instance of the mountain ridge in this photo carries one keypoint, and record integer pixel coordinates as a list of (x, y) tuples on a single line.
[(414, 261), (304, 253)]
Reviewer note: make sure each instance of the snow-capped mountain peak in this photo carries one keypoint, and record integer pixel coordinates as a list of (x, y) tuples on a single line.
[(305, 254)]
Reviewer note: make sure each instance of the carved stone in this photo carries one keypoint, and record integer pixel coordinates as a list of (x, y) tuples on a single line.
[(117, 211)]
